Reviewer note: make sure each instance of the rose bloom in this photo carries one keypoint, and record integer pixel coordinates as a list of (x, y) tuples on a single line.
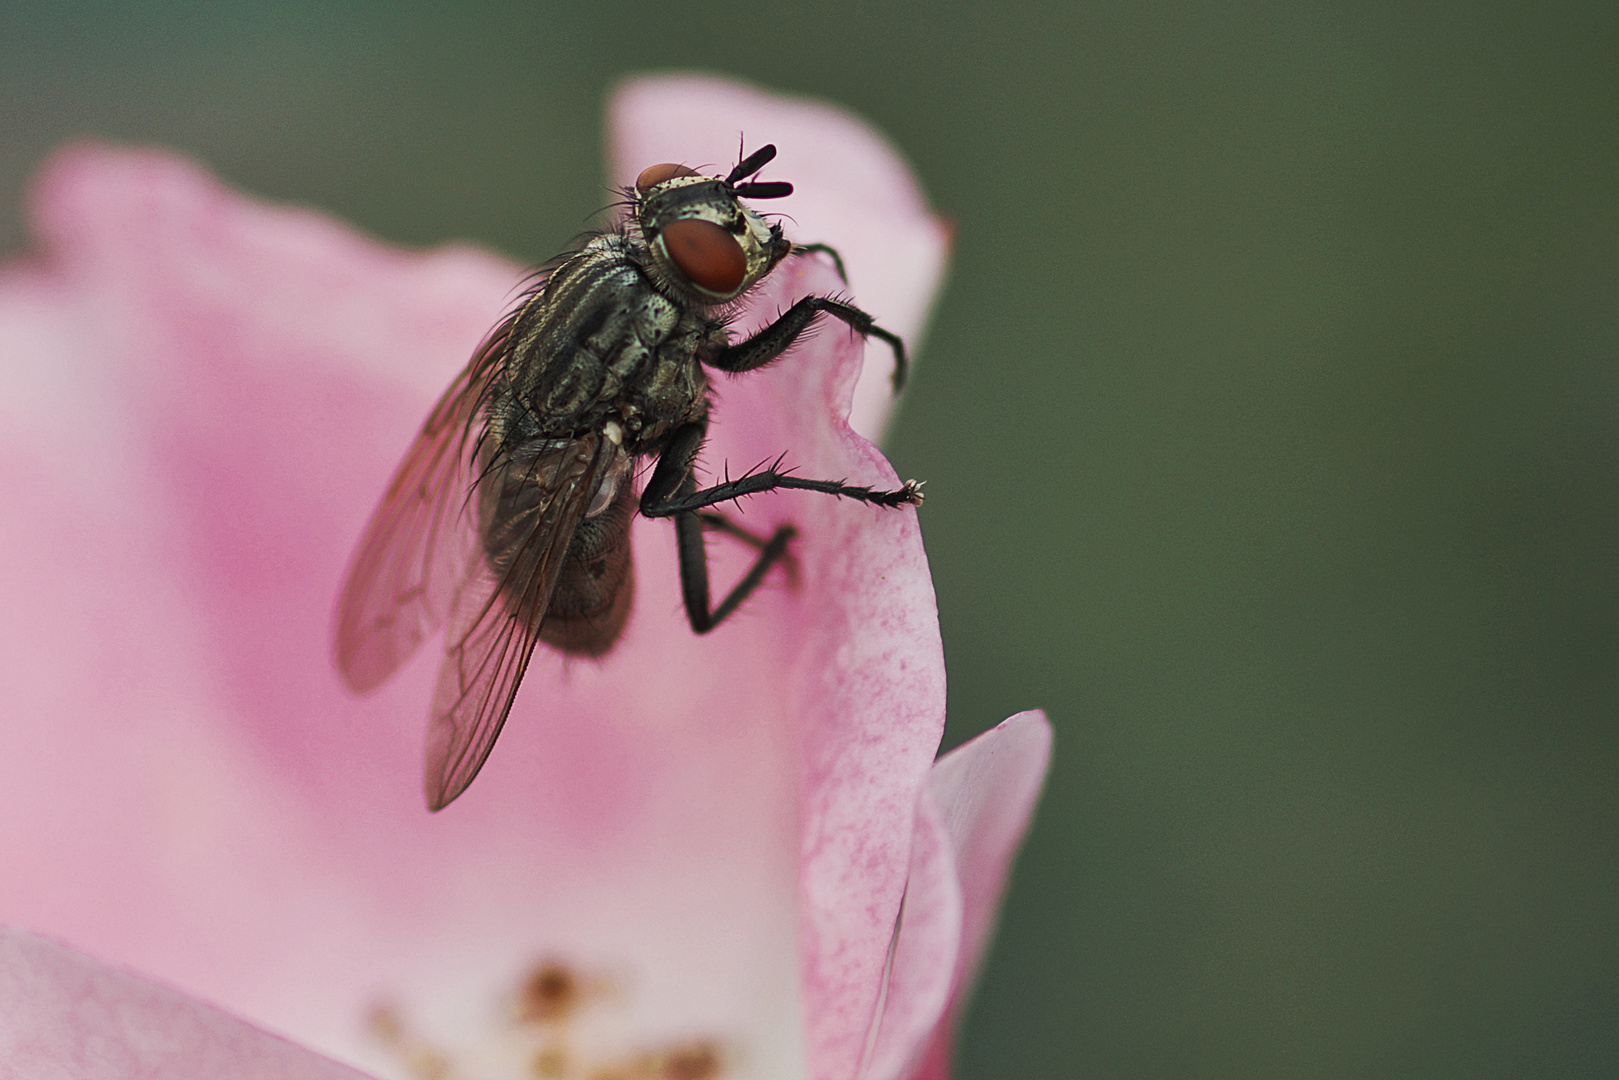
[(698, 857)]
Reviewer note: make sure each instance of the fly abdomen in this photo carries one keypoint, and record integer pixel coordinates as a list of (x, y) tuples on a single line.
[(596, 587), (518, 485)]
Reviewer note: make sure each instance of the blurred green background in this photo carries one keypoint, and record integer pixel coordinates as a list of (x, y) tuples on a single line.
[(1271, 425)]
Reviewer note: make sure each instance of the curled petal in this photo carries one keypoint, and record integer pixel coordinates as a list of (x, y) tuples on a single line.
[(970, 822), (64, 1016), (927, 941)]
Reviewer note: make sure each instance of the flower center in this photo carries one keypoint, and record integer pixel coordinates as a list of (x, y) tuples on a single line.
[(557, 1024)]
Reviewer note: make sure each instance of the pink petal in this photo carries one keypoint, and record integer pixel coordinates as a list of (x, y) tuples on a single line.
[(969, 824), (64, 1015), (923, 966), (853, 191), (870, 673), (203, 398), (228, 388)]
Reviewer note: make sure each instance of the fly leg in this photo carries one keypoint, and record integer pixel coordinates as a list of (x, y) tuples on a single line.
[(672, 492), (694, 567), (772, 479), (673, 474), (773, 340), (668, 492), (829, 251), (716, 522)]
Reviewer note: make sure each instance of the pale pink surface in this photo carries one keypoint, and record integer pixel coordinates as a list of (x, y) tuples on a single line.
[(202, 398), (64, 1016)]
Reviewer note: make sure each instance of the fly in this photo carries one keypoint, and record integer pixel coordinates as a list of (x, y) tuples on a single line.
[(509, 518)]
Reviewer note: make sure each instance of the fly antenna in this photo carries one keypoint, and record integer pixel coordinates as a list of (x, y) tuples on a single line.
[(750, 165), (753, 162)]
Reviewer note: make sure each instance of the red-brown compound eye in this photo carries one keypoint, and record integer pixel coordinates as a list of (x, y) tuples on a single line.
[(653, 175), (706, 254)]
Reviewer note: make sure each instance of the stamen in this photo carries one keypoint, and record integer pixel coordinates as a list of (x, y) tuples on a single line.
[(554, 1011), (699, 1061), (550, 995)]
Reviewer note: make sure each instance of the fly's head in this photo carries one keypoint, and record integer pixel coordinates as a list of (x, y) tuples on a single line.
[(705, 245)]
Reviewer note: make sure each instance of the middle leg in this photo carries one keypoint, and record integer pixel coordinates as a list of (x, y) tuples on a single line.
[(672, 490)]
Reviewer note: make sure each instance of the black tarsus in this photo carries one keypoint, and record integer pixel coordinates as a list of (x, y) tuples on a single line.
[(824, 249), (773, 340), (772, 479)]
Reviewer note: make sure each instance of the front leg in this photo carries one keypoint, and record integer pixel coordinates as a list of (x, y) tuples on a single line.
[(773, 340), (801, 250)]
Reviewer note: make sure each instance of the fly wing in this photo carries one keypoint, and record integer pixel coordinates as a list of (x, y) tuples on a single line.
[(532, 502), (417, 546)]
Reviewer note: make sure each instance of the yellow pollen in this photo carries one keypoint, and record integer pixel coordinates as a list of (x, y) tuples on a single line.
[(550, 994), (550, 1017)]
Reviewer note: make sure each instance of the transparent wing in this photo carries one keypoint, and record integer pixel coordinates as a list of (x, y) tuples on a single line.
[(417, 546), (532, 501)]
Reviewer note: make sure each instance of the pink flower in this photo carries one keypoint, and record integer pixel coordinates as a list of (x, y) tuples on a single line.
[(690, 856)]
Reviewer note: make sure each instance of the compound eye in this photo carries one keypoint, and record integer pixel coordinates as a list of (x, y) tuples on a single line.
[(654, 175), (706, 254)]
